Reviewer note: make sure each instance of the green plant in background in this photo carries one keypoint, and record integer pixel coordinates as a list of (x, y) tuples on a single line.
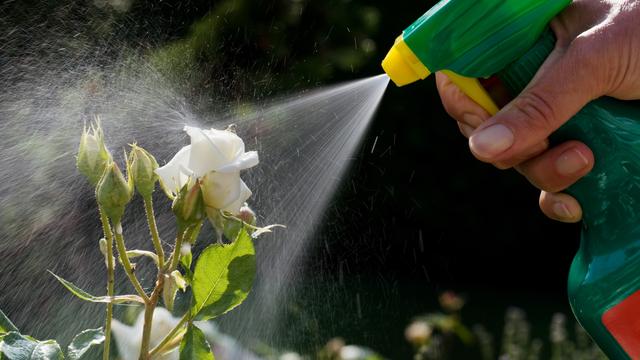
[(337, 349), (435, 335), (241, 45), (334, 349), (203, 180)]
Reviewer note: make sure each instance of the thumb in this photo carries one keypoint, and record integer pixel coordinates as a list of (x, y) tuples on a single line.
[(562, 86)]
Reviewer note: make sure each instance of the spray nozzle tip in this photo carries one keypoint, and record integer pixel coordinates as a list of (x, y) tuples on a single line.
[(398, 65)]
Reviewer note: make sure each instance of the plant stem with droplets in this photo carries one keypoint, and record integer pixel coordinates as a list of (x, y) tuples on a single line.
[(149, 308), (108, 235), (124, 259), (175, 257), (153, 228), (152, 301)]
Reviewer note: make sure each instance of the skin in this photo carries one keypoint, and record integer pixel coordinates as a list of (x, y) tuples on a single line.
[(597, 54)]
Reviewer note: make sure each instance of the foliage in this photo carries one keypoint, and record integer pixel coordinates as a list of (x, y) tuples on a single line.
[(5, 324), (194, 345), (221, 280), (83, 295), (15, 346), (223, 276), (83, 342), (443, 335), (252, 55)]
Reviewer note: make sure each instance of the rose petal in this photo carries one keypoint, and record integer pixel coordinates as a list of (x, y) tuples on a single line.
[(128, 339), (245, 161), (221, 189), (163, 323), (176, 172), (205, 156), (235, 205), (228, 142)]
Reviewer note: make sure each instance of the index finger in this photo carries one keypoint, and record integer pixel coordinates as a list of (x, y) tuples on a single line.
[(457, 104)]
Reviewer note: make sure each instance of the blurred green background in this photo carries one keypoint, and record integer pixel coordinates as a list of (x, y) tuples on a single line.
[(417, 215)]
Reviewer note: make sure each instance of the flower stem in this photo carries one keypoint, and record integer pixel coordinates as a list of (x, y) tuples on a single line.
[(170, 335), (175, 257), (153, 228), (149, 308), (152, 301), (108, 235), (124, 259)]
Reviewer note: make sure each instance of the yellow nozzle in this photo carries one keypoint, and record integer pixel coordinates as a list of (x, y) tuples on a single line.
[(402, 65)]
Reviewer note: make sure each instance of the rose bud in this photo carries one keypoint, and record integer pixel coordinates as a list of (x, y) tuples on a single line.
[(247, 215), (188, 206), (93, 156), (114, 192), (143, 167)]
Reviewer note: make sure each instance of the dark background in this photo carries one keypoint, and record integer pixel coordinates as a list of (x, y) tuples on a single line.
[(418, 215)]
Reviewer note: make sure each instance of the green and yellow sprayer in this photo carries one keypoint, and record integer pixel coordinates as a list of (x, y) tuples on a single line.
[(510, 39)]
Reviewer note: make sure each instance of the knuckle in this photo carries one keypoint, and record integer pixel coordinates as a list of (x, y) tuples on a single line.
[(544, 184), (561, 29), (449, 108), (536, 109), (598, 55), (453, 105), (553, 188), (541, 177)]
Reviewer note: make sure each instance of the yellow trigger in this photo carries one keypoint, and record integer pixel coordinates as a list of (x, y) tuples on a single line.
[(474, 90)]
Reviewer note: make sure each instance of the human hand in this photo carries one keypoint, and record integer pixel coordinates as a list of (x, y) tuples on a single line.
[(597, 54)]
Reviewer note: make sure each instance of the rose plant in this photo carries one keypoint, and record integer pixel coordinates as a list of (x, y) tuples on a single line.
[(203, 181)]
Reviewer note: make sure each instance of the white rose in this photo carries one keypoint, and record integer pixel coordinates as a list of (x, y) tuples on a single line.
[(216, 157)]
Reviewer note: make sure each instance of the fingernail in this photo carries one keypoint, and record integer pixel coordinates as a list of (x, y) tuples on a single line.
[(562, 211), (472, 119), (570, 162), (491, 141)]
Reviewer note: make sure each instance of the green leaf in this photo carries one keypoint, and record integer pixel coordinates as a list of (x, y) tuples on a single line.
[(6, 325), (120, 299), (223, 277), (194, 345), (83, 342), (19, 347)]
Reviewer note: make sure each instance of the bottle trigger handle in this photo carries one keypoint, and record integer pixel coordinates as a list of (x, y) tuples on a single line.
[(474, 90)]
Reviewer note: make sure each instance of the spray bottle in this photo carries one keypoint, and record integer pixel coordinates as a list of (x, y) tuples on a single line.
[(510, 39)]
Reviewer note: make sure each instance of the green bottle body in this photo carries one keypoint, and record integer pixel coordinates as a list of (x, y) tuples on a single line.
[(606, 269), (510, 39)]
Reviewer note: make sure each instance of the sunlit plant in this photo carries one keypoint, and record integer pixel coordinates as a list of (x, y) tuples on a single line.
[(203, 181)]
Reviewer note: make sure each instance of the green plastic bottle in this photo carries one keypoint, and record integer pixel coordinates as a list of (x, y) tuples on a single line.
[(510, 39)]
